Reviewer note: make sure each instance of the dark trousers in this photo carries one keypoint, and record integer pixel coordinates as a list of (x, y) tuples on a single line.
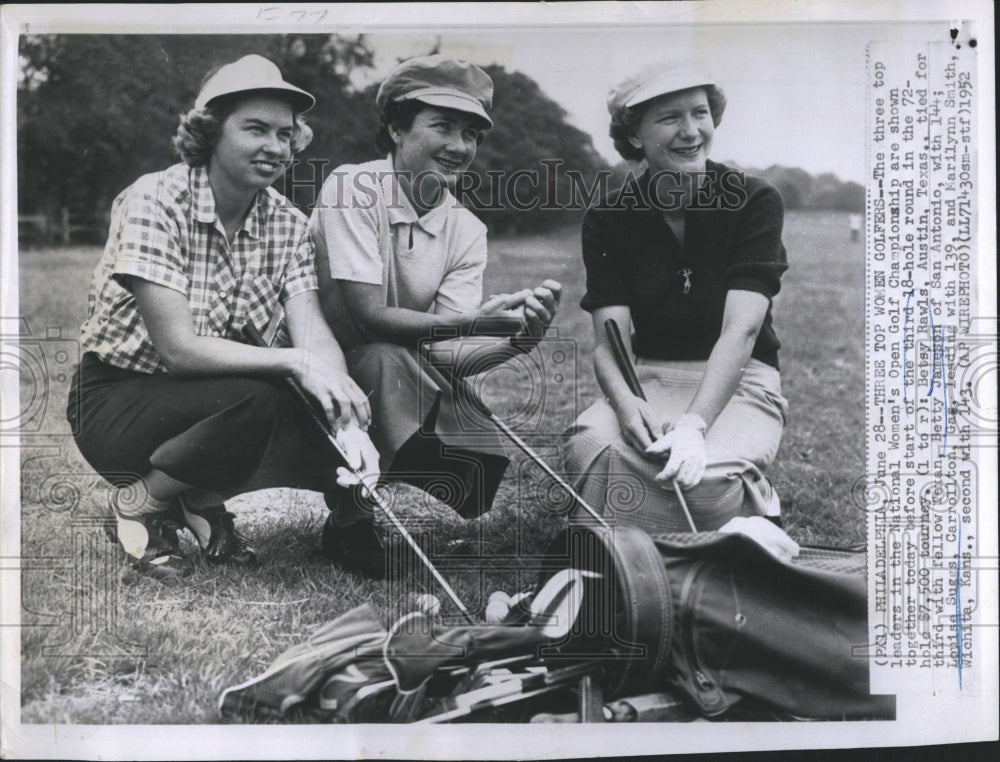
[(227, 434), (424, 437)]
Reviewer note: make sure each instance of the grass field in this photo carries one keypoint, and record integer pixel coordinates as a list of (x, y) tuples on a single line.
[(100, 646)]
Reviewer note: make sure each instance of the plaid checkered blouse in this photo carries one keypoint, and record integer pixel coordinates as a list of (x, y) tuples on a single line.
[(164, 230)]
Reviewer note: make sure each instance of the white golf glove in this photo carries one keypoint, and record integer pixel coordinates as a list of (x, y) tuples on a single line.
[(686, 444), (361, 454)]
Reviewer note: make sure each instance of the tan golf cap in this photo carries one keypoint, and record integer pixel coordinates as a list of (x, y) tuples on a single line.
[(440, 81), (653, 81), (248, 74)]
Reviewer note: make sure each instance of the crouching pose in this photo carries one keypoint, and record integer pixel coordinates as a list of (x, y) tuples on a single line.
[(400, 261), (685, 259), (168, 404)]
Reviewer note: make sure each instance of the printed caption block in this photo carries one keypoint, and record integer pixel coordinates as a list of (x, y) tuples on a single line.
[(922, 344)]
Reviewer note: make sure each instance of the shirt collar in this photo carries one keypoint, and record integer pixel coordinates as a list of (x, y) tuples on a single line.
[(400, 210), (201, 195), (643, 183), (203, 201)]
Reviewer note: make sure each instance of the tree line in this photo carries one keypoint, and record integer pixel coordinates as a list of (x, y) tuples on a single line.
[(800, 190), (94, 112)]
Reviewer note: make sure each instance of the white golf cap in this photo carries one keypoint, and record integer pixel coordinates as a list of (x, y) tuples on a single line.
[(251, 74), (653, 81)]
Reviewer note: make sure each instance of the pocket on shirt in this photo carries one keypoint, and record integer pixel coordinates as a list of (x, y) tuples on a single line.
[(261, 303)]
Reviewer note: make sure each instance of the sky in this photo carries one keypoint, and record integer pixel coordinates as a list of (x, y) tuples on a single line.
[(796, 93)]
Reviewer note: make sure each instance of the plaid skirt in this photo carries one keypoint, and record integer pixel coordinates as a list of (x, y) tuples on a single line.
[(610, 475)]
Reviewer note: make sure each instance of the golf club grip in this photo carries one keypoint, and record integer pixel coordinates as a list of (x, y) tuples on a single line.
[(251, 333), (625, 366), (445, 378), (621, 357)]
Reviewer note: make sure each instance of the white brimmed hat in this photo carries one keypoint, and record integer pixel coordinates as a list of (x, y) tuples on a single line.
[(654, 81), (251, 73), (440, 81)]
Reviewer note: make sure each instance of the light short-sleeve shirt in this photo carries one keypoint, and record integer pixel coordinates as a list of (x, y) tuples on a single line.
[(164, 229), (365, 230)]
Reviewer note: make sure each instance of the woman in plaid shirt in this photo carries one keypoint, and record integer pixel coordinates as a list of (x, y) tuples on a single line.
[(168, 404)]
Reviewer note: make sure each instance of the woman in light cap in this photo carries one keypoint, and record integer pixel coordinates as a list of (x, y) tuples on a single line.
[(168, 404), (401, 262), (685, 259)]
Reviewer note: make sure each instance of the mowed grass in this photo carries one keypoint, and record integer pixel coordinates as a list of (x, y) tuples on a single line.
[(102, 646)]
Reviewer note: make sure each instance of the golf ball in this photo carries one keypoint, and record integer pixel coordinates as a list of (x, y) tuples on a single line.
[(427, 603), (497, 607)]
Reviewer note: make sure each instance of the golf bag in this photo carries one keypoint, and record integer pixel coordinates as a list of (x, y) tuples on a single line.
[(710, 620), (732, 622)]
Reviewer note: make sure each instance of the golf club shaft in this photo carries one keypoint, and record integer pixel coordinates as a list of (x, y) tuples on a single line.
[(251, 333), (523, 447), (628, 372), (448, 379)]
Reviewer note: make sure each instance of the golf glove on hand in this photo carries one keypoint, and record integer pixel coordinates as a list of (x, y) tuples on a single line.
[(686, 444), (361, 454)]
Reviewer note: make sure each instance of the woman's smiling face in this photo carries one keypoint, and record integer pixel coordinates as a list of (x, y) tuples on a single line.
[(254, 144), (676, 132), (439, 145)]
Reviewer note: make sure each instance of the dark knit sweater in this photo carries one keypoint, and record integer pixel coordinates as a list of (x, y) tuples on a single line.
[(677, 295)]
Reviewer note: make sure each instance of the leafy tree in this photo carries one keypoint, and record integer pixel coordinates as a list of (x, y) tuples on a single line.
[(829, 192), (852, 197), (344, 119), (794, 184), (530, 133), (97, 111)]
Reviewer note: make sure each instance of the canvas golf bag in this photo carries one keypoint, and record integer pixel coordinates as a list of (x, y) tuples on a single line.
[(709, 622)]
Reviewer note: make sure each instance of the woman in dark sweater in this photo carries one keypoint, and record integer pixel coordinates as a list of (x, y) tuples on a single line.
[(685, 259)]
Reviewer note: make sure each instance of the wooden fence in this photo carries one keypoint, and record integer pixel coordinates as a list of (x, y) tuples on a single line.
[(65, 227)]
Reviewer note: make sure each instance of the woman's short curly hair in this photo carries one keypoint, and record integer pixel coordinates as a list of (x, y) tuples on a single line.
[(625, 122), (400, 114), (200, 128)]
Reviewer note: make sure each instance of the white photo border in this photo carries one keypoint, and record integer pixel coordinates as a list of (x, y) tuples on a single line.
[(920, 719)]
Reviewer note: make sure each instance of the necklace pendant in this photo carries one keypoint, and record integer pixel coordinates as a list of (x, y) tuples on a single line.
[(686, 274)]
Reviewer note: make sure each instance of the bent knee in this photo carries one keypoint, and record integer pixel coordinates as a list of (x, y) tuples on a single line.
[(584, 452), (371, 362), (260, 406)]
